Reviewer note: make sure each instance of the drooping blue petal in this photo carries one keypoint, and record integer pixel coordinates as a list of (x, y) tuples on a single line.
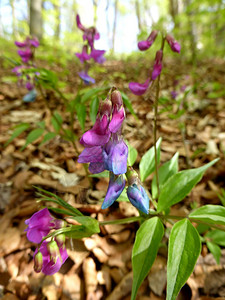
[(115, 188), (138, 198)]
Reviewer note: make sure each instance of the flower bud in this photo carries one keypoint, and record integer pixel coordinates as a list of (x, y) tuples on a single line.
[(116, 98), (60, 240), (53, 250), (174, 45), (158, 64), (132, 176), (59, 224), (38, 262), (138, 197), (105, 108), (144, 45)]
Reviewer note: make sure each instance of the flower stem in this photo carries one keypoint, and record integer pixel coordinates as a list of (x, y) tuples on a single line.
[(122, 221)]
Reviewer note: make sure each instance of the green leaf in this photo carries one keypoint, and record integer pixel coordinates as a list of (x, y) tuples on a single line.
[(165, 172), (184, 249), (18, 130), (56, 121), (211, 214), (215, 250), (132, 155), (179, 185), (217, 237), (33, 136), (88, 227), (147, 163), (59, 200), (91, 93), (94, 109), (145, 249), (128, 104), (47, 137), (81, 114), (104, 174)]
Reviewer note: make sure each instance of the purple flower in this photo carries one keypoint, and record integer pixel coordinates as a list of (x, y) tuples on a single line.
[(21, 44), (86, 78), (25, 54), (138, 197), (118, 113), (35, 43), (115, 155), (158, 64), (91, 155), (144, 45), (139, 88), (96, 167), (174, 94), (83, 56), (97, 55), (115, 188), (49, 264), (174, 45), (18, 70), (79, 25), (29, 86), (40, 224), (99, 135)]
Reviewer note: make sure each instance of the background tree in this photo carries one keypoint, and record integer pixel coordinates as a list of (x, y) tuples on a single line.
[(36, 21)]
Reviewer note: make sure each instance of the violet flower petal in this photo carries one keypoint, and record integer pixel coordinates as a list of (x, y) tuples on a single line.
[(115, 188), (96, 167), (118, 117), (91, 155), (86, 78), (139, 88)]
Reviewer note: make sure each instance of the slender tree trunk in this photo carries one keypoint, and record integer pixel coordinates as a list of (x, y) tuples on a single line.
[(95, 6), (191, 33), (107, 23), (13, 17), (114, 24), (36, 22), (137, 9), (57, 19)]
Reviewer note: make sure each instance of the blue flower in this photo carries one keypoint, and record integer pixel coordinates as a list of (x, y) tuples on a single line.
[(138, 197), (115, 188), (115, 155)]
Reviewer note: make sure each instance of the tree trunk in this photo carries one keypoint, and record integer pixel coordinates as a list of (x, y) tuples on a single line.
[(114, 24), (13, 17), (95, 6), (36, 22), (191, 33), (57, 19), (137, 9)]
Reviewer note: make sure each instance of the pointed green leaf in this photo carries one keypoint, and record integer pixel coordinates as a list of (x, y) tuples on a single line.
[(217, 237), (81, 114), (33, 136), (132, 155), (56, 121), (94, 109), (211, 214), (179, 185), (47, 137), (215, 250), (147, 163), (128, 104), (165, 172), (145, 249), (184, 249), (17, 131), (91, 93)]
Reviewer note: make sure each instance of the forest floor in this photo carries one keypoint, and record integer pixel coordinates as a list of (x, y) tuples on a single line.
[(99, 267)]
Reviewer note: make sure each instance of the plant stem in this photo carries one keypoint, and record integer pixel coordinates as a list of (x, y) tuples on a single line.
[(121, 221), (155, 133)]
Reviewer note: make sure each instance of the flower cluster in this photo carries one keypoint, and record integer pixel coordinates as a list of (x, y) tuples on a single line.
[(105, 149), (26, 52), (49, 256), (89, 36), (140, 88)]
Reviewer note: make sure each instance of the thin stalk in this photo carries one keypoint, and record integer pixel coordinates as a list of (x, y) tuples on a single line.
[(155, 133), (121, 221)]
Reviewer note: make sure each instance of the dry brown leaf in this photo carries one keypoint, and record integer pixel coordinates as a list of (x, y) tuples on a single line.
[(122, 289), (90, 275), (9, 240)]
